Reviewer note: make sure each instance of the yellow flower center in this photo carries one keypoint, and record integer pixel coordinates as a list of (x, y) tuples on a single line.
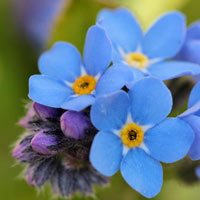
[(132, 135), (84, 85), (137, 60)]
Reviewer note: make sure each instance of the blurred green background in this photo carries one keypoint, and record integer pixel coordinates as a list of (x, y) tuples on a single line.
[(18, 60)]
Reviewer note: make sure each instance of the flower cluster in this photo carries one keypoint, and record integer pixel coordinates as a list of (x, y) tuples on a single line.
[(56, 148), (107, 112)]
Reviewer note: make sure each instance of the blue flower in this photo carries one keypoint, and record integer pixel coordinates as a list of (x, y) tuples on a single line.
[(197, 171), (67, 83), (36, 18), (192, 117), (135, 135), (191, 47), (146, 53)]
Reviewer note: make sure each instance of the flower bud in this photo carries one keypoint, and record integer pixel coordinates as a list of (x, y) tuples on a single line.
[(23, 151), (74, 124), (25, 120), (18, 151), (41, 143), (45, 112)]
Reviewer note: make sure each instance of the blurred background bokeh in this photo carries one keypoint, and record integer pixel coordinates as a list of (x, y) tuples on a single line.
[(27, 27)]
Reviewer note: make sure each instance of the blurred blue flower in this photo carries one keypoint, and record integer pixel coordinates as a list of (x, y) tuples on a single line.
[(135, 135), (146, 54), (36, 18), (192, 117), (198, 172), (191, 47), (67, 83)]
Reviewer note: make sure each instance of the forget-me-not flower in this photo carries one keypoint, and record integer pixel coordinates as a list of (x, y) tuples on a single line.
[(192, 117), (135, 135), (68, 83), (146, 53)]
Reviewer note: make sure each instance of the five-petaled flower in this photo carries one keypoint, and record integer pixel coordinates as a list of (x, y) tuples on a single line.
[(146, 53), (67, 83), (135, 135)]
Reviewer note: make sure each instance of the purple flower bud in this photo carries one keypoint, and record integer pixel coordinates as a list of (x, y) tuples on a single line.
[(25, 121), (45, 112), (74, 124), (23, 151), (41, 143), (18, 152)]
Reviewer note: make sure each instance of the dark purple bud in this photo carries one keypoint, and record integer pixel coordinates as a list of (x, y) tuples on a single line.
[(41, 143), (24, 152), (74, 124), (18, 152), (45, 112), (25, 121)]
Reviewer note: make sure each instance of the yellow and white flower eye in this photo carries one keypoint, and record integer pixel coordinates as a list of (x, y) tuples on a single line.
[(84, 85), (132, 135), (137, 60)]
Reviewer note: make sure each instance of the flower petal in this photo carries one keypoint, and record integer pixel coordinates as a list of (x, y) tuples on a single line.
[(122, 28), (190, 52), (142, 173), (193, 31), (194, 95), (106, 153), (166, 36), (138, 75), (170, 140), (190, 49), (97, 51), (114, 79), (151, 101), (173, 69), (194, 110), (78, 103), (194, 122), (110, 112), (62, 62), (48, 91), (197, 172)]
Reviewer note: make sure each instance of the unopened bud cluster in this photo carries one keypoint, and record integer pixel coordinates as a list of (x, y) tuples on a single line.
[(56, 148)]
